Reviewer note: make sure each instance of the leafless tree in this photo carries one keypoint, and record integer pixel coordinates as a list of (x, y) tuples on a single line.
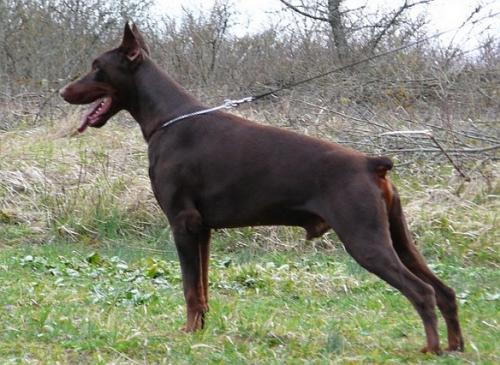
[(43, 43), (44, 40), (345, 22)]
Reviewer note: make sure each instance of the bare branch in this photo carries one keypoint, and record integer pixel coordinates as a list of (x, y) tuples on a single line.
[(451, 151), (428, 133), (394, 20), (302, 12)]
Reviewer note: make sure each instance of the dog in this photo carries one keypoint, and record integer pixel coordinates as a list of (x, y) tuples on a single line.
[(218, 170)]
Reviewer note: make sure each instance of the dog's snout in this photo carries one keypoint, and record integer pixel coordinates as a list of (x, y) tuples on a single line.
[(63, 91)]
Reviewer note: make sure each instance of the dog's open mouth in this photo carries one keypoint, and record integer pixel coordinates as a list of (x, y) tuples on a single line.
[(97, 114)]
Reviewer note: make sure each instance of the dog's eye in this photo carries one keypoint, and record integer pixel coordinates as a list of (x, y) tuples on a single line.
[(100, 75)]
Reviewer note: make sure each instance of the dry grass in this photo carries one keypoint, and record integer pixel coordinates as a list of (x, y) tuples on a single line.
[(55, 183)]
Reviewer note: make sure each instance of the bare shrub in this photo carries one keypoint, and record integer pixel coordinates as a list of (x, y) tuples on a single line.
[(428, 86)]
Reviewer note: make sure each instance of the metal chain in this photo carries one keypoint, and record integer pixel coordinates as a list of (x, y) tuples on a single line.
[(228, 104)]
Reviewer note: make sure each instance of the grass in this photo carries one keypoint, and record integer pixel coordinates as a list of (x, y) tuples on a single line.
[(67, 303), (89, 273)]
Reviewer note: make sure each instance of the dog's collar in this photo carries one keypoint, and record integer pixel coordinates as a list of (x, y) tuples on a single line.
[(228, 104)]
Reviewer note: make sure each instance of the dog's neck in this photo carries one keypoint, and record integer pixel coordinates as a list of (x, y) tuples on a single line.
[(158, 98)]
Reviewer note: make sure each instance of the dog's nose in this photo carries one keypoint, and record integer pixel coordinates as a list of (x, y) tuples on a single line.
[(62, 91)]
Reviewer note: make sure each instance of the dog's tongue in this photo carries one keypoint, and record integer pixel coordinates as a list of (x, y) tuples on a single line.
[(95, 111), (83, 126), (86, 120)]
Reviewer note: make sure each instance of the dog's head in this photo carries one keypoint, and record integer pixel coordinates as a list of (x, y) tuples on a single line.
[(108, 86)]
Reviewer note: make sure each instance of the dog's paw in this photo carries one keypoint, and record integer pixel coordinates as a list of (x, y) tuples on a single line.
[(459, 346), (194, 323), (428, 350)]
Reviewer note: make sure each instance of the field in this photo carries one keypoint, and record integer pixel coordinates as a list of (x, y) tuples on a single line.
[(89, 271)]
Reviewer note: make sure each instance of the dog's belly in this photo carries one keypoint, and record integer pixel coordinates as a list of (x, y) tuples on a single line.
[(220, 215), (217, 219)]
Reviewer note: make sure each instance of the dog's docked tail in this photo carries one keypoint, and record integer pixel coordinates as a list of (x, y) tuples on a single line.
[(379, 165)]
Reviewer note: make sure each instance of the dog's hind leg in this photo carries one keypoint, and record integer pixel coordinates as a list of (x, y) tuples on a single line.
[(413, 260), (362, 226), (205, 258), (191, 240)]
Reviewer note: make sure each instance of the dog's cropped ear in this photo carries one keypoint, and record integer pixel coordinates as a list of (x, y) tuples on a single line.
[(133, 43), (140, 39)]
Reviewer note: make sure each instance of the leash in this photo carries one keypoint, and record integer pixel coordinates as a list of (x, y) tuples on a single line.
[(350, 65), (230, 103)]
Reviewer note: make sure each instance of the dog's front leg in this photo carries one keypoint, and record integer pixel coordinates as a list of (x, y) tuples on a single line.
[(191, 240)]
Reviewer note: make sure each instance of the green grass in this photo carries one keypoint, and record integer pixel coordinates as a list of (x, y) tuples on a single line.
[(71, 303), (89, 272)]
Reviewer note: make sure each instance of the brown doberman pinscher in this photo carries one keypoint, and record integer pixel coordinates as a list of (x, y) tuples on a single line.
[(217, 170)]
